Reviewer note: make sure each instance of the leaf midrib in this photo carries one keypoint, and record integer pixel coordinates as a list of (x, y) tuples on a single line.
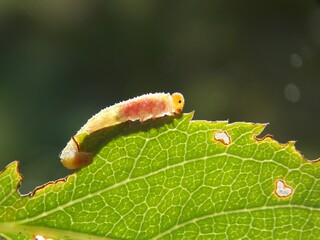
[(61, 234), (128, 180), (97, 193), (47, 232)]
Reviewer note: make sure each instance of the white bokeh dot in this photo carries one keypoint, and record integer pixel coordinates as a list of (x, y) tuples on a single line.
[(292, 93)]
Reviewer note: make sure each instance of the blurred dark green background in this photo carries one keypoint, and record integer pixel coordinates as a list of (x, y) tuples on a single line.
[(62, 61)]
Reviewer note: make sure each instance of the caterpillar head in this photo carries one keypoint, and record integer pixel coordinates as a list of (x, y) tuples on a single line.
[(178, 102)]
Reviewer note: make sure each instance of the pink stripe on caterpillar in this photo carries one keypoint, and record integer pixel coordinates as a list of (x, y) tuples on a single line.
[(144, 109)]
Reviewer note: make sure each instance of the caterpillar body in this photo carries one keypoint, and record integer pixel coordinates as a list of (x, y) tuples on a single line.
[(141, 108)]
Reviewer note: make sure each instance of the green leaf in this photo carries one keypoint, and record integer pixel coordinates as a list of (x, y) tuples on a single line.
[(172, 178)]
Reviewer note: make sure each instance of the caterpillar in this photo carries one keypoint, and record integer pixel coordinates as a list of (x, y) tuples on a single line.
[(142, 108)]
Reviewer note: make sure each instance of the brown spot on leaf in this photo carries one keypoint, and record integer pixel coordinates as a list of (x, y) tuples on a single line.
[(282, 190), (222, 137)]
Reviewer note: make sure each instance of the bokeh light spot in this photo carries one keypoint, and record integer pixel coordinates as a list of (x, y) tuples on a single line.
[(295, 60), (292, 93)]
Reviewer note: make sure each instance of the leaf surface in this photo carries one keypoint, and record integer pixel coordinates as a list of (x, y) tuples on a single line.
[(172, 178)]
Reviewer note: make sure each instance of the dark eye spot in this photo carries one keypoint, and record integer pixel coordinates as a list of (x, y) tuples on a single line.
[(179, 101)]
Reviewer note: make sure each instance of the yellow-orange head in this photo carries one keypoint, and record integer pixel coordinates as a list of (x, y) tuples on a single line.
[(178, 102)]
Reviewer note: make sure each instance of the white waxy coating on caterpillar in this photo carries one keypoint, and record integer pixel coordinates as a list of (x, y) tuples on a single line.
[(141, 108)]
